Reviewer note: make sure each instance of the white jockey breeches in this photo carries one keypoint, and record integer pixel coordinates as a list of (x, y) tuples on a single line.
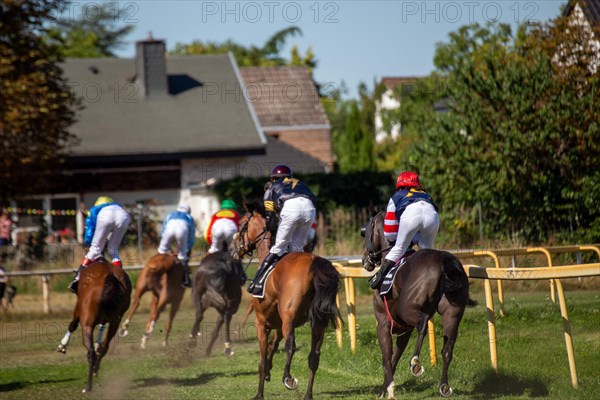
[(221, 232), (296, 217), (111, 220), (176, 229), (418, 220)]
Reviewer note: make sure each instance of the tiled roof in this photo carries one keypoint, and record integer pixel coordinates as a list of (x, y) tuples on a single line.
[(591, 9), (283, 96), (392, 82)]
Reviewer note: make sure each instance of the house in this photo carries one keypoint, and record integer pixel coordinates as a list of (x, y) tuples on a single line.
[(289, 109), (157, 129), (587, 14), (389, 101)]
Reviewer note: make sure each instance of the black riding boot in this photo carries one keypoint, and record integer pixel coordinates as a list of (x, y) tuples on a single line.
[(73, 285), (257, 283), (186, 275), (378, 277)]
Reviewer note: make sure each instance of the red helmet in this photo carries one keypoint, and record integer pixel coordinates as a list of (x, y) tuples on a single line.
[(281, 171), (407, 179)]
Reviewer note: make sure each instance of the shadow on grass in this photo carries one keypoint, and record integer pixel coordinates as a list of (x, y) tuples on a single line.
[(9, 387), (198, 380), (493, 385), (350, 393)]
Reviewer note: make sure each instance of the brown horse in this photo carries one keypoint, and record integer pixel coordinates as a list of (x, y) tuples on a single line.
[(301, 288), (429, 280), (103, 296), (217, 283), (162, 275)]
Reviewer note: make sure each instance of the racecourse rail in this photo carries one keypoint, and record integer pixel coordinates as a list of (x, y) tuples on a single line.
[(348, 271)]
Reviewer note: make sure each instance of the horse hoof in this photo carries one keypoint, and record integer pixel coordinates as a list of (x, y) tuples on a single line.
[(123, 332), (61, 349), (268, 377), (446, 390), (291, 383), (416, 368), (228, 352)]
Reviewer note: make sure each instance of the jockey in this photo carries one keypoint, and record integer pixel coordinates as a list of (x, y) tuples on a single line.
[(223, 225), (294, 202), (106, 217), (179, 225), (411, 216)]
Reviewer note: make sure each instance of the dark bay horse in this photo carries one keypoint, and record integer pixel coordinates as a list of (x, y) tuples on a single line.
[(162, 275), (103, 296), (301, 288), (429, 281), (217, 283)]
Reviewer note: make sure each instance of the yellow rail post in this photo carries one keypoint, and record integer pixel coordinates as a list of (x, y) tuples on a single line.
[(350, 303), (489, 304), (549, 258), (567, 329), (338, 331), (432, 350)]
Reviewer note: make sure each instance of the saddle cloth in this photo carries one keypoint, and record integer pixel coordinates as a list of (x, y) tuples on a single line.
[(261, 283), (388, 279)]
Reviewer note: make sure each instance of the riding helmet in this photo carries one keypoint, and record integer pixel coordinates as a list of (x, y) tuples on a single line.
[(281, 171), (408, 179), (103, 200), (228, 204), (184, 207)]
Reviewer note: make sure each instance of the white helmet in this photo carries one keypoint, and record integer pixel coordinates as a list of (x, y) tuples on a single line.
[(184, 207)]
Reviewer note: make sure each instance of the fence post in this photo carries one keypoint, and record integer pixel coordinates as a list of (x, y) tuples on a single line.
[(46, 293)]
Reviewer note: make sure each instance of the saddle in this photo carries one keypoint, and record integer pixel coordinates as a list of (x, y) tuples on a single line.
[(388, 279), (261, 284)]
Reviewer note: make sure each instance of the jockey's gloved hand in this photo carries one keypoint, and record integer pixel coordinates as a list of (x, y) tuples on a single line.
[(271, 221)]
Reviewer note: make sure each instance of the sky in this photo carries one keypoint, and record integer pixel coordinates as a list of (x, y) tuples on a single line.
[(353, 41)]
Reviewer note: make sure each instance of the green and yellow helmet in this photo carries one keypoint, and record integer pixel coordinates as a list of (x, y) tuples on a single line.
[(228, 204), (103, 200)]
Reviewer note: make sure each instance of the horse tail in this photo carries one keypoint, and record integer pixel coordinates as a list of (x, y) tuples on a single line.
[(455, 283), (111, 291), (323, 309)]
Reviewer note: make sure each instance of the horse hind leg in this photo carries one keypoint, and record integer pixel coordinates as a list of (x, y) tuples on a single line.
[(62, 346), (172, 311), (314, 358), (228, 350), (136, 303), (215, 334), (290, 348), (113, 326), (272, 349), (196, 327), (88, 341), (415, 364), (451, 319)]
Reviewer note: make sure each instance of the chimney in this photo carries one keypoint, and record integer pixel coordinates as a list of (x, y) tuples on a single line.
[(151, 68)]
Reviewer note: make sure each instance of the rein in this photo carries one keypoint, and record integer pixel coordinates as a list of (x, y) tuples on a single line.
[(390, 319), (249, 247)]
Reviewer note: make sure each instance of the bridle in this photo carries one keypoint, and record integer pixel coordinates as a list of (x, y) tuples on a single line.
[(373, 257), (247, 248)]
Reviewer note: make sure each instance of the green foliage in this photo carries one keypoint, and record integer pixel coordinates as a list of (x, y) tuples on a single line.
[(351, 190), (521, 137), (36, 103), (252, 56), (89, 36), (353, 130)]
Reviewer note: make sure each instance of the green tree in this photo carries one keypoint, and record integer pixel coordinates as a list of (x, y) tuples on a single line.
[(252, 56), (36, 106), (352, 127), (521, 137), (89, 36)]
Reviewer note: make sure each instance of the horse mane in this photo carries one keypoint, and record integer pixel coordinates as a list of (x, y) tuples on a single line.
[(255, 205)]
